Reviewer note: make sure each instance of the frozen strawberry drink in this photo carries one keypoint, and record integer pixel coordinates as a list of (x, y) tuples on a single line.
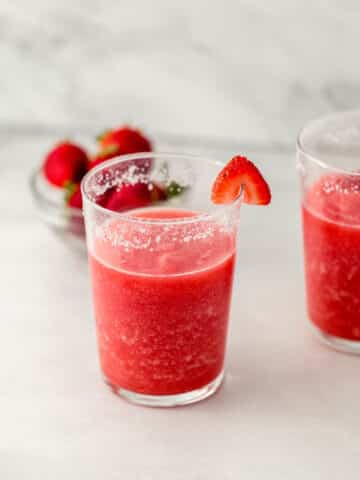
[(327, 159), (162, 280), (162, 303), (331, 219)]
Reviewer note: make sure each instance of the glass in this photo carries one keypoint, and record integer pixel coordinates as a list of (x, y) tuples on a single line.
[(328, 160), (161, 277)]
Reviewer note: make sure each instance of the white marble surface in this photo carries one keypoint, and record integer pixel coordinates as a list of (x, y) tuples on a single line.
[(246, 70), (217, 76)]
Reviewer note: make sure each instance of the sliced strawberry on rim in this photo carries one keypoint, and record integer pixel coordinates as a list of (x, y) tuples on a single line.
[(240, 173)]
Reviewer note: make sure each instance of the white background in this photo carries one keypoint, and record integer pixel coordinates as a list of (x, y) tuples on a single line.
[(212, 77)]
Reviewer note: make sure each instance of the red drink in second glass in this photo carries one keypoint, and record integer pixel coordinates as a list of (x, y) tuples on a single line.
[(162, 302), (331, 223)]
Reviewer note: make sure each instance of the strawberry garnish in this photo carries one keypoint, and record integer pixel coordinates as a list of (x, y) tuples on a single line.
[(66, 162), (126, 139), (240, 173), (73, 195)]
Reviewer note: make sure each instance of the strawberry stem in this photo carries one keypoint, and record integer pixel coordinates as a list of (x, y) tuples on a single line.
[(174, 189), (102, 135)]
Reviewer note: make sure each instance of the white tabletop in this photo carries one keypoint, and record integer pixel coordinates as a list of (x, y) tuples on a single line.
[(289, 407)]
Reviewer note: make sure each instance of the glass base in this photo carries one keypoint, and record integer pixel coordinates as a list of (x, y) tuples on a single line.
[(176, 400), (337, 343)]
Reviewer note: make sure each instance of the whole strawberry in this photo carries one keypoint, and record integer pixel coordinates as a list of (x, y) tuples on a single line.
[(66, 162), (126, 139), (127, 197)]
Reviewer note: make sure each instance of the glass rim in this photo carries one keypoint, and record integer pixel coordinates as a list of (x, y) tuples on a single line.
[(202, 216), (321, 163)]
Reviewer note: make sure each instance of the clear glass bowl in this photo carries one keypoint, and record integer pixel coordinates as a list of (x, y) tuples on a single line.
[(66, 222)]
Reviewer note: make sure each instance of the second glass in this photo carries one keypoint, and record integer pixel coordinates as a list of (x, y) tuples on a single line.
[(161, 276), (328, 156)]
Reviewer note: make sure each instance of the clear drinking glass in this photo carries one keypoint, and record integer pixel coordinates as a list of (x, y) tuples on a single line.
[(162, 277), (328, 160)]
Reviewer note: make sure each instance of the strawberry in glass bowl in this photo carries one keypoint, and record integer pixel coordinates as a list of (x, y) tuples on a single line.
[(55, 186), (64, 165)]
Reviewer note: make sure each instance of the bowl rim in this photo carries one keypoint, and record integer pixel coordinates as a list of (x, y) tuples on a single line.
[(42, 200)]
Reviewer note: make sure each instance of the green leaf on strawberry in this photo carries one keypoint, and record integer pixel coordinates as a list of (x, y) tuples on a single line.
[(174, 189)]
